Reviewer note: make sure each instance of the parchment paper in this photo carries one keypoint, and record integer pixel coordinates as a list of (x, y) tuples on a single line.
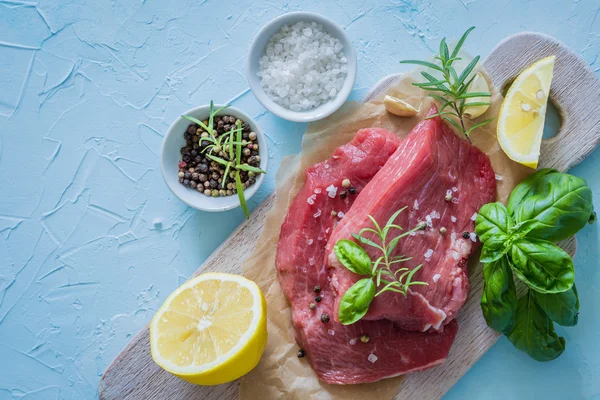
[(280, 373)]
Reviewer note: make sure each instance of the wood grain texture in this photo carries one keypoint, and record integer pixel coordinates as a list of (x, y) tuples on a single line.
[(133, 374)]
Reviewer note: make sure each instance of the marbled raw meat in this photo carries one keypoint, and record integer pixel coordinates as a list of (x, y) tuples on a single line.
[(430, 164), (335, 351)]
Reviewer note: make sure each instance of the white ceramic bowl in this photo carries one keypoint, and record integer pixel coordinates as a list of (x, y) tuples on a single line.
[(257, 49), (170, 157)]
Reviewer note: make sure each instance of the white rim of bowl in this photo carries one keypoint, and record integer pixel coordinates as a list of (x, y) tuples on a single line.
[(334, 104), (253, 189)]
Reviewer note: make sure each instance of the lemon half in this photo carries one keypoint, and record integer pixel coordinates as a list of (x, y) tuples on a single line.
[(523, 112), (210, 330)]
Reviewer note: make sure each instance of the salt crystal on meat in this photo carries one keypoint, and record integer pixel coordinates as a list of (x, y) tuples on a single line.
[(428, 254), (474, 217), (473, 236), (416, 204), (436, 277), (311, 199), (452, 218), (331, 191), (372, 358)]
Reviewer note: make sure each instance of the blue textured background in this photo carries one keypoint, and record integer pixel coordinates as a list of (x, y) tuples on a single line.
[(88, 88)]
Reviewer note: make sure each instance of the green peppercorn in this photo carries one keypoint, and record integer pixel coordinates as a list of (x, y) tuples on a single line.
[(364, 339)]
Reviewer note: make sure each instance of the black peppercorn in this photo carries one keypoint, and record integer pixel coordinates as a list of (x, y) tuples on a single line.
[(245, 126), (187, 175), (352, 190), (186, 158), (186, 182), (300, 353), (203, 167), (202, 177), (194, 153), (213, 184), (465, 235), (193, 184), (191, 128), (195, 176), (324, 318), (318, 299), (317, 288), (343, 194), (215, 175)]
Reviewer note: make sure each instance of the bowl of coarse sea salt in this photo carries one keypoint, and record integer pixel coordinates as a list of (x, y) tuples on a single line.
[(301, 66)]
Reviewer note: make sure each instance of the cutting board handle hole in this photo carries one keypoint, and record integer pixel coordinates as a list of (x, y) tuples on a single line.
[(553, 121)]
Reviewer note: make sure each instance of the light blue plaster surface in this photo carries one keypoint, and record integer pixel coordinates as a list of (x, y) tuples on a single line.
[(88, 89)]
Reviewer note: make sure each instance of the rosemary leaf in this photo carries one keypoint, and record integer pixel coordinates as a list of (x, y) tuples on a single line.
[(240, 192), (461, 41), (196, 121), (217, 159), (422, 63), (246, 167), (226, 175)]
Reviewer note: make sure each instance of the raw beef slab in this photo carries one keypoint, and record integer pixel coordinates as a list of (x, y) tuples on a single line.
[(443, 180), (335, 351)]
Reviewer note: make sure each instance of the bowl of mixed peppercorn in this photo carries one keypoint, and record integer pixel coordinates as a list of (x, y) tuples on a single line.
[(214, 158)]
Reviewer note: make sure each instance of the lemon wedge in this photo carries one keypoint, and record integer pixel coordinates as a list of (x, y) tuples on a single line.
[(210, 330), (523, 111)]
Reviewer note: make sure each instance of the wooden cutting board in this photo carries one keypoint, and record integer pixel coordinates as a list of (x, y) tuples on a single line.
[(575, 88)]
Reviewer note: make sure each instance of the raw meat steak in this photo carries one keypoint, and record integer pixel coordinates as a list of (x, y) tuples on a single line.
[(335, 351), (430, 164)]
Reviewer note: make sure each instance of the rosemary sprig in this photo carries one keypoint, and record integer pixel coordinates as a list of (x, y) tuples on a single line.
[(226, 149), (452, 89), (381, 274)]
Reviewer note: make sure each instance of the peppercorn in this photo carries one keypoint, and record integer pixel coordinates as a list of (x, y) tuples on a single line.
[(215, 175), (203, 167), (318, 299), (334, 214), (195, 176), (200, 188), (202, 177), (346, 183), (186, 182), (226, 127), (207, 192), (442, 230), (245, 126), (215, 193), (222, 192), (255, 146), (229, 192), (213, 184), (364, 339), (324, 318), (191, 128), (252, 135), (317, 288), (448, 197), (421, 226), (300, 353), (186, 158), (193, 184), (181, 174), (343, 194), (312, 306), (352, 190), (220, 124), (246, 152), (251, 174), (465, 235)]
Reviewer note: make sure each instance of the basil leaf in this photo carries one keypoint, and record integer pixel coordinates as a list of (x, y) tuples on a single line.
[(525, 189), (561, 203), (533, 331), (494, 248), (499, 297), (492, 219), (562, 308), (353, 257), (523, 228), (543, 266), (355, 302)]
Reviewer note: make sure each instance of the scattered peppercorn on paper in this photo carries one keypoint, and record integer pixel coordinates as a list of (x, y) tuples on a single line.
[(280, 373)]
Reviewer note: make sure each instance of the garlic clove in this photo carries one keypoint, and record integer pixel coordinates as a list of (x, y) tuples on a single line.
[(478, 85), (399, 107)]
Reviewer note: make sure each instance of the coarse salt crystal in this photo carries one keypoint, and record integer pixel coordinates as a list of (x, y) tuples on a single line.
[(455, 200), (341, 214), (318, 190), (326, 166), (331, 332), (436, 278), (352, 342), (453, 236), (434, 214), (317, 214), (309, 242), (331, 191), (416, 204), (311, 261), (452, 218), (474, 217), (449, 192), (428, 254), (455, 255), (327, 230), (454, 189), (428, 221), (311, 199), (473, 236), (413, 233), (372, 358), (498, 177)]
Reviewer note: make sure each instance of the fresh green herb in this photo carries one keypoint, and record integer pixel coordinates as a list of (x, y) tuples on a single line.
[(561, 203), (452, 87), (533, 331), (545, 207), (381, 272), (226, 150), (562, 308), (543, 266), (499, 297)]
